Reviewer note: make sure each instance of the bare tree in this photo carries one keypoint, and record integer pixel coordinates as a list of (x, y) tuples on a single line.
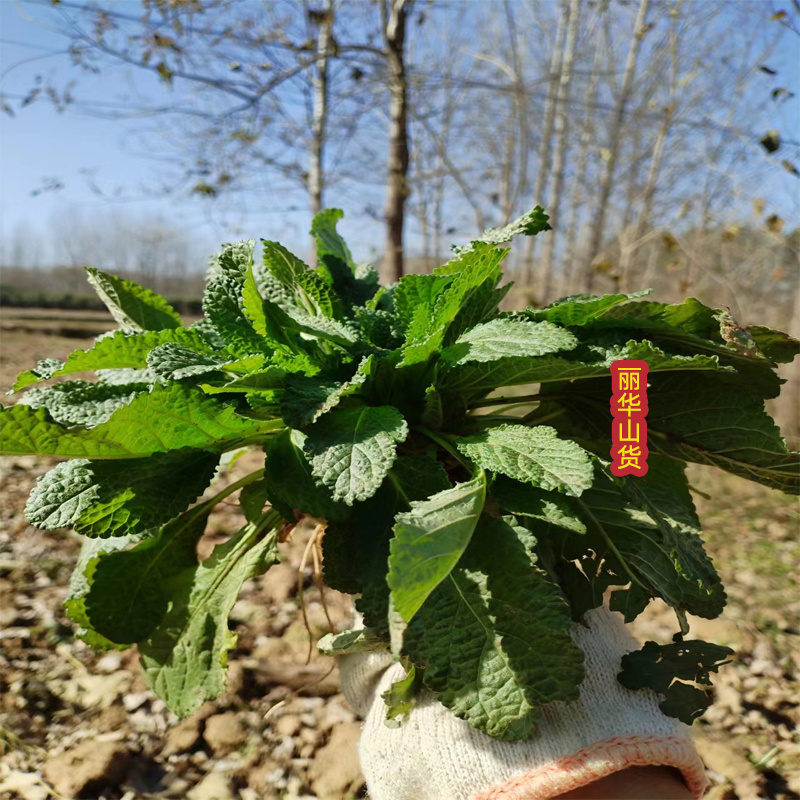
[(598, 229), (545, 143), (572, 13), (394, 14), (319, 83)]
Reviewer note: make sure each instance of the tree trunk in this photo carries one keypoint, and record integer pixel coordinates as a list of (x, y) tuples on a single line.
[(319, 86), (598, 228), (397, 186), (543, 156), (645, 219), (580, 181), (562, 143)]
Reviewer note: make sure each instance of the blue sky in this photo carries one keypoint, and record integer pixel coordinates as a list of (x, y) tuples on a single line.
[(80, 151), (39, 145)]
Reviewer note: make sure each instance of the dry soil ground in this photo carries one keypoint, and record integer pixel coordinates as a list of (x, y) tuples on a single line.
[(77, 723)]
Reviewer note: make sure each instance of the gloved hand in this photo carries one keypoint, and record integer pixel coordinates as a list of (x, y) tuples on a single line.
[(435, 756)]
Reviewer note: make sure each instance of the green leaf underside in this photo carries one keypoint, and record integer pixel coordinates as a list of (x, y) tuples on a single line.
[(185, 659), (352, 449), (529, 224), (82, 402), (775, 345), (168, 418), (115, 498), (713, 419), (580, 309), (480, 378), (174, 361), (533, 455), (494, 637), (506, 338), (678, 671), (428, 542), (121, 350), (134, 308)]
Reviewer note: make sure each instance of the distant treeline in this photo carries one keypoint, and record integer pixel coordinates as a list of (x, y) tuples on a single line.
[(67, 288), (33, 298)]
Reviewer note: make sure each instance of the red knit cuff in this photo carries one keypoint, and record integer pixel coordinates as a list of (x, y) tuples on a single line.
[(601, 759)]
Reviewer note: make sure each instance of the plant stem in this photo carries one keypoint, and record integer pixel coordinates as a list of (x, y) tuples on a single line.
[(447, 445), (499, 401), (611, 546), (229, 490)]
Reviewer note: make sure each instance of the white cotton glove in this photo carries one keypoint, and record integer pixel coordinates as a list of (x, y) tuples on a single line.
[(435, 756)]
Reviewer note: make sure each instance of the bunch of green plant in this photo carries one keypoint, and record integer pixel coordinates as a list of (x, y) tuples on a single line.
[(473, 523)]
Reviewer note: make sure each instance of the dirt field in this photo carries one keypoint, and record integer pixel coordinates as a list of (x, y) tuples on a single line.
[(77, 723)]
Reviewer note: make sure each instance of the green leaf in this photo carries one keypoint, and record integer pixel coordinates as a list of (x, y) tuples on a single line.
[(507, 338), (410, 478), (678, 671), (482, 306), (426, 334), (363, 640), (115, 498), (305, 399), (266, 381), (428, 542), (580, 309), (524, 500), (120, 350), (479, 378), (367, 534), (167, 418), (399, 697), (290, 484), (132, 589), (309, 291), (329, 242), (253, 499), (184, 661), (775, 345), (534, 455), (418, 477), (493, 639), (82, 402), (175, 362), (379, 328), (233, 260), (648, 530), (718, 421), (687, 321), (352, 285), (80, 585), (351, 449), (529, 224), (281, 331), (415, 292), (223, 305), (134, 308)]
